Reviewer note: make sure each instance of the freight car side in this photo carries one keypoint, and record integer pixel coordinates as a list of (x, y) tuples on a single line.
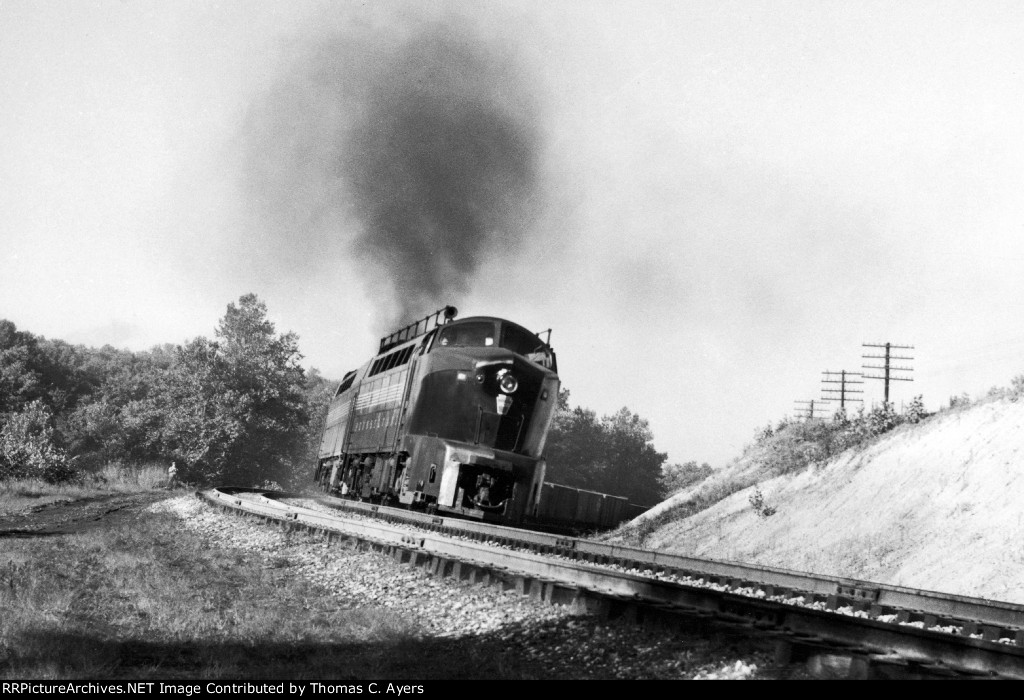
[(570, 509)]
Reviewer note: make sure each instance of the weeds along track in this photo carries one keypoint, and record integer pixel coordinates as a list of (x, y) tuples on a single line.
[(866, 629)]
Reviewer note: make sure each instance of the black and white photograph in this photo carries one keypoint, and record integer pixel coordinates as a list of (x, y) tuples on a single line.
[(358, 347)]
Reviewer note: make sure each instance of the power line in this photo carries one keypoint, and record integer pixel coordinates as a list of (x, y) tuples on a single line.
[(844, 379), (888, 368), (810, 408)]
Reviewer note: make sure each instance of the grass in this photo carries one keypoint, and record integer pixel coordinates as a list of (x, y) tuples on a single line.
[(125, 602), (19, 495)]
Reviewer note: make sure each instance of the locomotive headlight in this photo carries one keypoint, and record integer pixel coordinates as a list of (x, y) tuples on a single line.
[(507, 381)]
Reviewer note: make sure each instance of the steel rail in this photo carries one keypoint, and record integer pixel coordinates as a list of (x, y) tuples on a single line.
[(655, 599), (989, 618)]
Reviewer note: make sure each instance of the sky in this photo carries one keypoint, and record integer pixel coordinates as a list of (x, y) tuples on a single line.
[(710, 203)]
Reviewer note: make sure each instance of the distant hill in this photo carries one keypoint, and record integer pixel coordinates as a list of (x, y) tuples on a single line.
[(938, 505)]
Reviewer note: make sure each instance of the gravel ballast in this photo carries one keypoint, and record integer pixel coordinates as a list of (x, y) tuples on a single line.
[(553, 640)]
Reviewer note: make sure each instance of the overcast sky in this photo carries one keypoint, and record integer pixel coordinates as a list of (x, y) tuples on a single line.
[(712, 204)]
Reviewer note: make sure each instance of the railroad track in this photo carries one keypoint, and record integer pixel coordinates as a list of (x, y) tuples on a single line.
[(864, 629)]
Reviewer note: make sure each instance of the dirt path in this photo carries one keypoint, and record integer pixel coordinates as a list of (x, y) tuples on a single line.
[(66, 517)]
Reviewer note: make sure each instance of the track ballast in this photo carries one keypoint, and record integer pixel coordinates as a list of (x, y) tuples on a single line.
[(874, 629)]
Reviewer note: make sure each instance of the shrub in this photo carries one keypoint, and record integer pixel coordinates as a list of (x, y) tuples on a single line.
[(676, 477), (764, 434), (915, 411), (961, 401), (762, 509), (27, 447), (1017, 385), (883, 418)]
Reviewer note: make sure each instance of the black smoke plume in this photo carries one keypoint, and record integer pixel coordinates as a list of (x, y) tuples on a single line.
[(412, 149)]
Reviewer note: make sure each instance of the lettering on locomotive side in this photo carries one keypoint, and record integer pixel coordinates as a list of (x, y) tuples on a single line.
[(379, 421)]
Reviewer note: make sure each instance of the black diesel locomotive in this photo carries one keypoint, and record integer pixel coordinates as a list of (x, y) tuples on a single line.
[(450, 415)]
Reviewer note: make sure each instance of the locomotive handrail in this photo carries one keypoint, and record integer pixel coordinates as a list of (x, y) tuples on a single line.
[(413, 329)]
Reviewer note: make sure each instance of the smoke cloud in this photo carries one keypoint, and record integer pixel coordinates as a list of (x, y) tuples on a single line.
[(410, 148)]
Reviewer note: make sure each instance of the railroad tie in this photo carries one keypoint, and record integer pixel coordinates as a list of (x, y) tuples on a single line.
[(557, 593), (536, 588), (991, 633), (970, 628)]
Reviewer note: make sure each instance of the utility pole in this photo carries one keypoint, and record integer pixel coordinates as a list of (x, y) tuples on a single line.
[(844, 379), (888, 368), (810, 407)]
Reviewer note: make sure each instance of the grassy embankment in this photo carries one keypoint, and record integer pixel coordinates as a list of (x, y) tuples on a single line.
[(792, 447)]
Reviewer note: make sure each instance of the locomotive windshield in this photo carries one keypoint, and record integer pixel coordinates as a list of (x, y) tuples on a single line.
[(519, 340), (473, 334), (493, 332), (476, 334)]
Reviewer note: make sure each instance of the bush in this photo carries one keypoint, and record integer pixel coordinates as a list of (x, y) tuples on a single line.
[(676, 477), (27, 447), (962, 401), (764, 434), (1017, 386), (915, 411), (762, 509), (882, 419)]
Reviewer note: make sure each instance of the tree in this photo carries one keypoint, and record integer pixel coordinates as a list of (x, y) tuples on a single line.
[(575, 447), (318, 394), (634, 466), (612, 455), (20, 377), (118, 419), (236, 408)]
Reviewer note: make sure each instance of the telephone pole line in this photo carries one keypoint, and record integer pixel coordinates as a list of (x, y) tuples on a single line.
[(844, 379), (888, 368), (810, 408)]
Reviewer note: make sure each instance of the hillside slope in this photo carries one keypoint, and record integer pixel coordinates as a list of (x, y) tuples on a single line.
[(938, 506)]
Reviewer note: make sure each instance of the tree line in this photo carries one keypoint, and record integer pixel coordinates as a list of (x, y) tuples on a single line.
[(240, 409), (613, 454)]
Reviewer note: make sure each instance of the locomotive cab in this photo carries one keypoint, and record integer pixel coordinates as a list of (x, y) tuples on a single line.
[(492, 332)]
